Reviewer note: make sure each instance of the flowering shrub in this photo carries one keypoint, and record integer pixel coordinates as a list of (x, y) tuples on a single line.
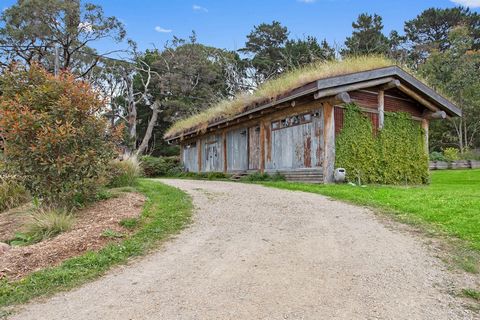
[(53, 135)]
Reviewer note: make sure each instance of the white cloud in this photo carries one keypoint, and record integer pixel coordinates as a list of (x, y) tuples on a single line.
[(468, 3), (196, 7), (307, 1), (162, 30)]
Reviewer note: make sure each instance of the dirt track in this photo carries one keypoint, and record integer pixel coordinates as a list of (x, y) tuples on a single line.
[(259, 253)]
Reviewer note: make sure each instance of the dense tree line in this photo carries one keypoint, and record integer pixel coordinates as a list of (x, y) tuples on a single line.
[(150, 89)]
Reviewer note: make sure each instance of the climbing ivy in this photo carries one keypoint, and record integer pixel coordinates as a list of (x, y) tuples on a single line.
[(394, 155)]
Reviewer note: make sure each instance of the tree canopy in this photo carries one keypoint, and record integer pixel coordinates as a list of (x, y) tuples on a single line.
[(33, 30), (367, 37)]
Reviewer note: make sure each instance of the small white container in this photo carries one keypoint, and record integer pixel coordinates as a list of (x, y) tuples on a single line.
[(339, 175)]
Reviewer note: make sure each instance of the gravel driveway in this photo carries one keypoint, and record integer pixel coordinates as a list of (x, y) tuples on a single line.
[(260, 253)]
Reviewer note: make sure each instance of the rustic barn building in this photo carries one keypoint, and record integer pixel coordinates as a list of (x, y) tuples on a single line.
[(294, 132)]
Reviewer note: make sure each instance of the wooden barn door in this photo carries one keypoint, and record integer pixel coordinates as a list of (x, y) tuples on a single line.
[(211, 157), (254, 148)]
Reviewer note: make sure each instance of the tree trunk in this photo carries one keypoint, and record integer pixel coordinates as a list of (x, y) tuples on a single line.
[(132, 114), (132, 122), (151, 124), (460, 135)]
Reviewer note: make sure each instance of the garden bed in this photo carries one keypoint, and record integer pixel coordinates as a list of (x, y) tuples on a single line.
[(94, 227)]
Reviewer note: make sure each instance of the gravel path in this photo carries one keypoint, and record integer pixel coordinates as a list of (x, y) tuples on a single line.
[(261, 253)]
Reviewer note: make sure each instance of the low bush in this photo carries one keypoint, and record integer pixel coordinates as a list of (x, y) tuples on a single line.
[(193, 175), (202, 175), (161, 166), (451, 154), (46, 223), (217, 175), (257, 176), (125, 173), (12, 193), (437, 156), (470, 155)]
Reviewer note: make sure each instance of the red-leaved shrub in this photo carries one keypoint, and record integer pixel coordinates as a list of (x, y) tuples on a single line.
[(53, 134)]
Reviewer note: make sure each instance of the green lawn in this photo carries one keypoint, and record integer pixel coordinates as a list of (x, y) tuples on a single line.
[(166, 211), (450, 204)]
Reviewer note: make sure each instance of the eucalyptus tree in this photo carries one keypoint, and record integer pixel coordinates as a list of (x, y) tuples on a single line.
[(56, 33)]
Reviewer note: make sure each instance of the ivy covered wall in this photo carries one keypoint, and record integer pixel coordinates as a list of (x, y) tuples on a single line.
[(394, 155)]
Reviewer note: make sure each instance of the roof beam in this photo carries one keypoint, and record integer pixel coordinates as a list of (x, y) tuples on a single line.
[(342, 97), (427, 104), (352, 87), (435, 115), (390, 85)]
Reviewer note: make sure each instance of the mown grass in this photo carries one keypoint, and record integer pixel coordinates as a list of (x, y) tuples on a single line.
[(166, 211), (450, 204)]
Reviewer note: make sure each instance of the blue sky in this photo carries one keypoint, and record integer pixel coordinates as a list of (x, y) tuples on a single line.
[(225, 24)]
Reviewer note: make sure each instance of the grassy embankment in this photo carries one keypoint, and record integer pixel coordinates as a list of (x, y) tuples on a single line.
[(166, 211)]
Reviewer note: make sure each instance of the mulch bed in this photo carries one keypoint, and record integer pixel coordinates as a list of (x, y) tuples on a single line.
[(11, 221), (85, 235)]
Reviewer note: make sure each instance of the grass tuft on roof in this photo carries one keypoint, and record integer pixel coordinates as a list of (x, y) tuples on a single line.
[(285, 83)]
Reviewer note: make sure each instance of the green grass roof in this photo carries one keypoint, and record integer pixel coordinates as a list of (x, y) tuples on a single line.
[(269, 90)]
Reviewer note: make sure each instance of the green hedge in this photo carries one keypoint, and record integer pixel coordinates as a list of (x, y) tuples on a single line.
[(160, 166), (394, 155)]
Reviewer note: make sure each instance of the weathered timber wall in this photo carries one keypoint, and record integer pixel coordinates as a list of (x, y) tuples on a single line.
[(296, 145), (212, 153), (189, 158), (237, 155)]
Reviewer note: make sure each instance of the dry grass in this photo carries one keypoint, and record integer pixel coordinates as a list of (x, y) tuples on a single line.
[(125, 173), (274, 88), (12, 193)]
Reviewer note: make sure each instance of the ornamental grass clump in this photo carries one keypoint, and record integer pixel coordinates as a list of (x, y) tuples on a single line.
[(45, 223), (125, 173), (53, 135)]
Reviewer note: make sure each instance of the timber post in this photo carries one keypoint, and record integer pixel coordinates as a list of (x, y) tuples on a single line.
[(381, 109), (199, 155), (329, 143), (262, 146), (425, 132), (225, 162), (182, 155)]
